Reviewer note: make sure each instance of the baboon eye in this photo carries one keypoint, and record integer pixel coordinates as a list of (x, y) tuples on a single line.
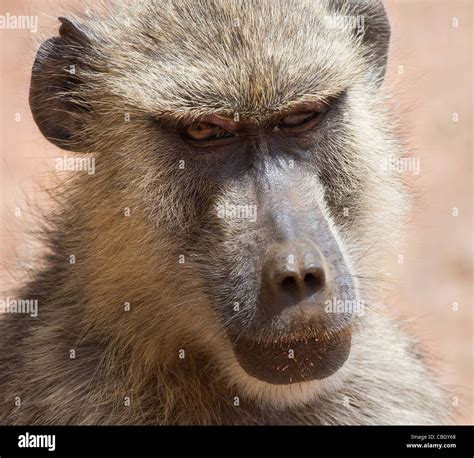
[(304, 120), (206, 133)]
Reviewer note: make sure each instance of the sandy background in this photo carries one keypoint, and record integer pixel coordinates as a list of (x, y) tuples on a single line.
[(430, 73)]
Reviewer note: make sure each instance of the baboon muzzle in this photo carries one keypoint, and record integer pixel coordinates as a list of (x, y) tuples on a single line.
[(300, 335)]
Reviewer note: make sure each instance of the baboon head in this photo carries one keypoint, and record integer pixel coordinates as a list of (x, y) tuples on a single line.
[(246, 137)]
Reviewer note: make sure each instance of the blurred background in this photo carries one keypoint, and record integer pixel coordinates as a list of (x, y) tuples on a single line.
[(430, 76)]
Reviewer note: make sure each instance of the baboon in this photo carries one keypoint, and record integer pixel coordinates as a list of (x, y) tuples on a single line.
[(224, 263)]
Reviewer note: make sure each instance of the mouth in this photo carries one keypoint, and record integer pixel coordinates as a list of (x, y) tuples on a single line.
[(283, 362)]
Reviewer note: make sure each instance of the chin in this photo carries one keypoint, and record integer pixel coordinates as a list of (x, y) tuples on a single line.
[(263, 373), (281, 396)]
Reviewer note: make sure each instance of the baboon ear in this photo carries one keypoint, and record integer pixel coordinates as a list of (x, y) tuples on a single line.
[(55, 90), (374, 35)]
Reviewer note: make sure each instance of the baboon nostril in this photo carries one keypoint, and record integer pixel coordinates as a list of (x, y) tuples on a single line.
[(293, 273), (289, 283), (309, 282), (314, 280)]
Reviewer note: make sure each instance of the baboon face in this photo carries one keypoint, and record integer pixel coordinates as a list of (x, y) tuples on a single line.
[(250, 143)]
